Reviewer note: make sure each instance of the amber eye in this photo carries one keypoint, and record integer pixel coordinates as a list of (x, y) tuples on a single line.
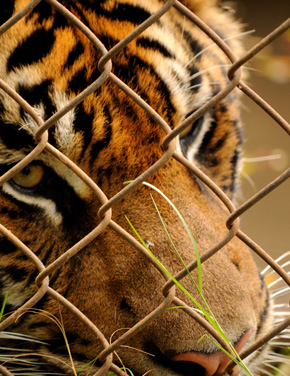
[(31, 176)]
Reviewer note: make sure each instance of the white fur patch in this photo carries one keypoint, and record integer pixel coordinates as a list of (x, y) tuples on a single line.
[(47, 205), (64, 130), (194, 147)]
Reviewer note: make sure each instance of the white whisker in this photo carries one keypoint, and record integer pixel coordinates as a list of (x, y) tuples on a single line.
[(214, 44), (19, 336), (264, 372), (203, 84), (199, 73), (276, 369), (284, 335), (280, 279), (281, 292), (281, 344), (280, 314), (249, 179), (286, 254), (262, 158), (274, 356), (280, 305), (274, 291)]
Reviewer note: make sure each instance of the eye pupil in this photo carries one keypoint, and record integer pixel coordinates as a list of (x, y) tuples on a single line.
[(26, 171)]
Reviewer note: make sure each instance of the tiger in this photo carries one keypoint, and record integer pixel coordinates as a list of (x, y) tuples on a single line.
[(174, 68)]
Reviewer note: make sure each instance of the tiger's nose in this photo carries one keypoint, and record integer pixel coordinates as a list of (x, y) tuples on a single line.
[(216, 363)]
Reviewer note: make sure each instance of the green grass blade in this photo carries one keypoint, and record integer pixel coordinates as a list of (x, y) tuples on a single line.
[(187, 230), (3, 306), (173, 245), (123, 368), (185, 226), (205, 311), (87, 364), (237, 360), (178, 284)]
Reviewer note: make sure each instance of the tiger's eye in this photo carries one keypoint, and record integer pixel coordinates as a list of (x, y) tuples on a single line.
[(31, 176)]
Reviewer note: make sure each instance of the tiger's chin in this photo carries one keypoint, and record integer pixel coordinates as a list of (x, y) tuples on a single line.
[(137, 362)]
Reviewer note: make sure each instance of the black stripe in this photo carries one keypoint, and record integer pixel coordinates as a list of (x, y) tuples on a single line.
[(34, 94), (187, 141), (54, 188), (15, 273), (129, 13), (43, 11), (6, 247), (108, 41), (8, 308), (7, 7), (34, 48), (31, 279), (91, 5), (219, 144), (194, 80), (68, 203), (195, 48), (130, 72), (78, 82), (72, 338), (45, 252), (39, 94), (41, 304), (84, 123), (39, 324), (233, 162), (121, 12), (193, 43), (74, 54), (15, 137), (208, 137), (153, 45), (222, 107), (98, 146), (12, 214)]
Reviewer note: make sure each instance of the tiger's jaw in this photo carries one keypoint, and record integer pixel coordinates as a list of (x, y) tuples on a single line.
[(174, 332), (151, 359)]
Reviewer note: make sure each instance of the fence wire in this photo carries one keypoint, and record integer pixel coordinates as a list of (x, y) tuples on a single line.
[(107, 205)]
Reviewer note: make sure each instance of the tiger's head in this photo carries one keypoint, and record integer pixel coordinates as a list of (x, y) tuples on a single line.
[(175, 69)]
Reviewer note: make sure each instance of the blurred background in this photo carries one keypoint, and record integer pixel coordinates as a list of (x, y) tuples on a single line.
[(267, 146)]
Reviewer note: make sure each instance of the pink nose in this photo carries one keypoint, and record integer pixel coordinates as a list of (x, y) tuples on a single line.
[(214, 364)]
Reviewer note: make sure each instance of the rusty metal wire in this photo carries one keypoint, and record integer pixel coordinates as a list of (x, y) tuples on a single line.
[(169, 146)]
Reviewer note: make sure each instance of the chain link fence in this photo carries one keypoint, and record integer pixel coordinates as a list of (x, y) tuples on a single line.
[(107, 205)]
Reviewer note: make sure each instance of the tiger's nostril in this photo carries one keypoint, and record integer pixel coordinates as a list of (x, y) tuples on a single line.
[(214, 364), (124, 306)]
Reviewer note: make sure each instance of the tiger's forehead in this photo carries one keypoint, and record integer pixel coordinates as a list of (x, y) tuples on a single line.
[(165, 65)]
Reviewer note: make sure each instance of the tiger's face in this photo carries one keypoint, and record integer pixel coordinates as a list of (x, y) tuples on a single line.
[(174, 68)]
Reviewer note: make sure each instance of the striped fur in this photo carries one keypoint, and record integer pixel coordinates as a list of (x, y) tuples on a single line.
[(48, 61)]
